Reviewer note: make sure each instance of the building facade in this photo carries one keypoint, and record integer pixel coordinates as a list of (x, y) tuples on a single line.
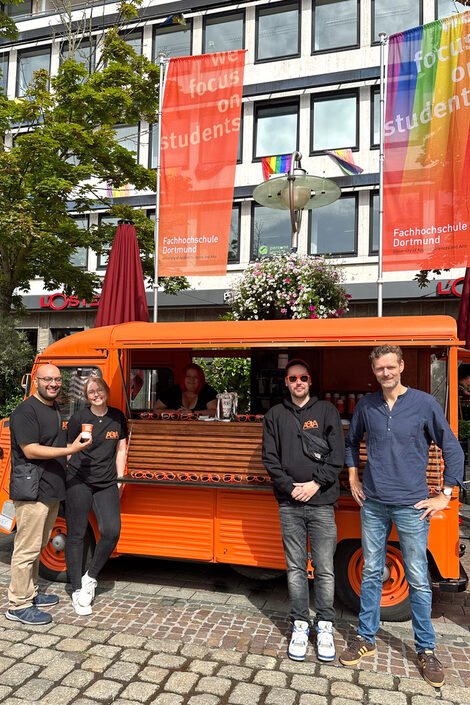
[(311, 84)]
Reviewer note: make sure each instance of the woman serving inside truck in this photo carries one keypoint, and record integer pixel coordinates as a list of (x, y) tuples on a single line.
[(191, 394)]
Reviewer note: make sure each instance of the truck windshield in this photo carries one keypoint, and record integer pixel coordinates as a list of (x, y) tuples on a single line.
[(73, 379)]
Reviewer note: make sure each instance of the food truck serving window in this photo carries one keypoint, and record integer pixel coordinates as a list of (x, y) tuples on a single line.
[(73, 380), (146, 385)]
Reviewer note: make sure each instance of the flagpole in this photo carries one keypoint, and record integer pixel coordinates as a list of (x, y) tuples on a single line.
[(383, 41), (162, 60)]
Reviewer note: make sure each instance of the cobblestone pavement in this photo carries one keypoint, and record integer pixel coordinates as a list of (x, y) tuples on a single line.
[(173, 633)]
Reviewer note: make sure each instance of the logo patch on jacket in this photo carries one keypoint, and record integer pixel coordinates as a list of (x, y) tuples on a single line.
[(310, 424), (112, 434), (64, 425)]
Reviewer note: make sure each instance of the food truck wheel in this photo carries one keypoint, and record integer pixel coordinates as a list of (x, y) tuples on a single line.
[(52, 562), (395, 603), (255, 573)]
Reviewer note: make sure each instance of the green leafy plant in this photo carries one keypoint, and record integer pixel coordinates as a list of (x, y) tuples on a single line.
[(289, 286), (231, 374), (16, 359)]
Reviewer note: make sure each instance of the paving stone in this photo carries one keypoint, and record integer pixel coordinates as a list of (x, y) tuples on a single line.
[(104, 650), (340, 701), (193, 650), (204, 699), (205, 668), (213, 685), (386, 697), (153, 674), (181, 682), (245, 694), (309, 684), (274, 679), (168, 699), (142, 692), (126, 702), (424, 700), (380, 680), (18, 651), (227, 656), (168, 646), (127, 640), (12, 633), (167, 661), (73, 645), (18, 673), (65, 630), (134, 655), (42, 640), (85, 701), (336, 672), (4, 691), (56, 670), (237, 673), (97, 635), (280, 696), (256, 661), (97, 664), (456, 694), (59, 696), (5, 663), (304, 667), (312, 699), (34, 689), (78, 679), (104, 690), (122, 671), (342, 689)]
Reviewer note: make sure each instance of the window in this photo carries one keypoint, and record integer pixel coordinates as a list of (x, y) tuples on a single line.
[(134, 39), (375, 115), (28, 63), (153, 146), (83, 52), (223, 33), (172, 41), (394, 17), (102, 260), (276, 129), (79, 258), (335, 121), (335, 24), (277, 32), (4, 59), (446, 8), (333, 229), (271, 232), (127, 136), (374, 223), (24, 9), (234, 239), (71, 397)]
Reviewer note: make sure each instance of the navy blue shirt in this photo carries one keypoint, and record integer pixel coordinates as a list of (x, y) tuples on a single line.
[(397, 442)]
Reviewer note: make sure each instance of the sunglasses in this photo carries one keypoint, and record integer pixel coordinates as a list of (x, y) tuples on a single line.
[(295, 378)]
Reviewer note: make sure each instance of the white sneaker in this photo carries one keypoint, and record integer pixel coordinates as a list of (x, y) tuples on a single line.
[(298, 644), (325, 642), (86, 594), (79, 609)]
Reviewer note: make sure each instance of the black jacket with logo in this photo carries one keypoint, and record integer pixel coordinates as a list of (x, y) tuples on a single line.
[(284, 458)]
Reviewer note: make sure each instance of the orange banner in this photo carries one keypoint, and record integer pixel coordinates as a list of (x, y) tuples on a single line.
[(199, 144)]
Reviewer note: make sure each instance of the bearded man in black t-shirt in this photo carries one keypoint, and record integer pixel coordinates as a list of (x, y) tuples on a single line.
[(37, 436)]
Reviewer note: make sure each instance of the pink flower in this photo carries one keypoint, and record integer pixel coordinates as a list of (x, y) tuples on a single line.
[(312, 308), (287, 281), (283, 310)]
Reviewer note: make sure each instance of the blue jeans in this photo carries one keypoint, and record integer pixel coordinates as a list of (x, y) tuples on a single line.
[(376, 522), (318, 523)]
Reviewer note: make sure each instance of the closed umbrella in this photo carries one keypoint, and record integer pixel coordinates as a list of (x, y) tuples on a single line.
[(123, 296), (463, 319)]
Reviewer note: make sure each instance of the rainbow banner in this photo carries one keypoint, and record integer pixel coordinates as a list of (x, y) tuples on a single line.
[(276, 165), (344, 158), (427, 149)]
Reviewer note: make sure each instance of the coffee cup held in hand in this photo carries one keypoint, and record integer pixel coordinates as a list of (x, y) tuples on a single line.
[(87, 429)]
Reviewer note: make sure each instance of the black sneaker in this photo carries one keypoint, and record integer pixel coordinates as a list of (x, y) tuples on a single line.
[(29, 615), (42, 600), (431, 668), (355, 650)]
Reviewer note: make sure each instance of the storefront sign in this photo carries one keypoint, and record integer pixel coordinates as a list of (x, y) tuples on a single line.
[(450, 287), (59, 301)]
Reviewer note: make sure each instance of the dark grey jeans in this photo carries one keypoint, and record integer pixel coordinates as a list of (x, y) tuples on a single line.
[(318, 523)]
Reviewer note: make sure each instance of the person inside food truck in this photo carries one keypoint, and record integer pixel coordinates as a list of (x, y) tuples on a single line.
[(191, 394)]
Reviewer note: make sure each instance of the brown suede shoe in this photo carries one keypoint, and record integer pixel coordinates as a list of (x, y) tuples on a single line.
[(355, 650), (431, 668)]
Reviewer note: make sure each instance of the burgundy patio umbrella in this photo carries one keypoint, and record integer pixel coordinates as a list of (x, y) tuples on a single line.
[(123, 296), (463, 319)]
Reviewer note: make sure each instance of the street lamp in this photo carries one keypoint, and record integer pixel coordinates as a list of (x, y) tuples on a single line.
[(296, 191)]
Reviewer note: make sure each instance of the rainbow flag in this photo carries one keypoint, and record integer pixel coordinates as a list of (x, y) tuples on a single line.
[(345, 160), (276, 165), (177, 18), (427, 147), (118, 192)]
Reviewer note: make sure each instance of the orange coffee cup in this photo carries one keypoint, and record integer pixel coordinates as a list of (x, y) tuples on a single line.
[(87, 429)]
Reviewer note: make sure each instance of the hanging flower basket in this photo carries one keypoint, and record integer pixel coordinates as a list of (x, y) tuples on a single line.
[(289, 286)]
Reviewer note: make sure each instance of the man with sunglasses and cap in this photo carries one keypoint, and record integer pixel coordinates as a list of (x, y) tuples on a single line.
[(306, 490)]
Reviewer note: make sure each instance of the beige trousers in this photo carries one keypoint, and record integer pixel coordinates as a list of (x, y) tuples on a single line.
[(34, 524)]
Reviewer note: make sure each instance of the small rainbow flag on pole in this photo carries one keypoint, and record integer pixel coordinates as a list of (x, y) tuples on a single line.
[(276, 165), (345, 160)]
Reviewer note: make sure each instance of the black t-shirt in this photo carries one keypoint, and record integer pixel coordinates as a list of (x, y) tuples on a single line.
[(96, 464), (35, 422), (173, 398)]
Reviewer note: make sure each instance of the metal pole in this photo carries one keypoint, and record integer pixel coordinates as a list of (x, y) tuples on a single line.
[(295, 225), (380, 281), (156, 232)]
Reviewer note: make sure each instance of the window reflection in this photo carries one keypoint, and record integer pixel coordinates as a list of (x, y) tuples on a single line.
[(172, 41), (271, 232), (223, 33), (395, 17), (334, 122), (276, 129), (28, 63), (4, 72), (333, 228), (335, 24), (277, 32)]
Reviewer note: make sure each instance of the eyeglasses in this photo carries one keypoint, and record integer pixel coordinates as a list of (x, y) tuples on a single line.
[(98, 393), (295, 378), (48, 380)]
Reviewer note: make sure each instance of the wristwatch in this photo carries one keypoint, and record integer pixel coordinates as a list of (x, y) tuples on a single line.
[(447, 491)]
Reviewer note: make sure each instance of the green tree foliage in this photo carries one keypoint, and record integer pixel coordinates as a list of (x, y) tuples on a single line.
[(231, 374), (16, 359), (64, 150)]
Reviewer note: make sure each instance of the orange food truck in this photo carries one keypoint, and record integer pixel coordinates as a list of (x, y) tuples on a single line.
[(198, 491)]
